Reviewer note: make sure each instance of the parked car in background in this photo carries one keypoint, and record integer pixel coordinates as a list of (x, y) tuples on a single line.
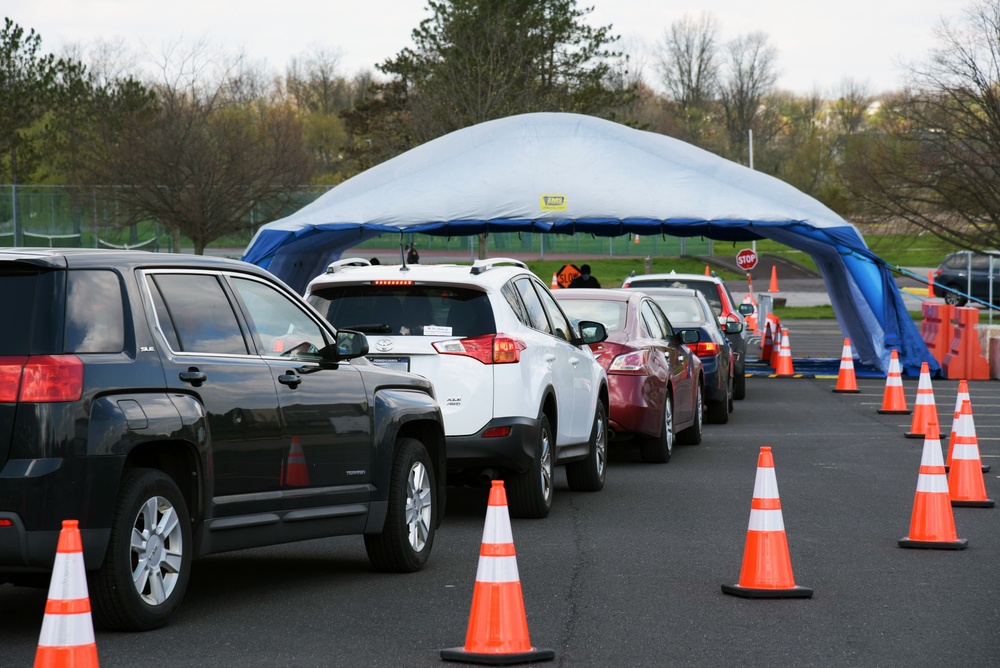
[(721, 301), (655, 382), (686, 309), (954, 274), (519, 387), (182, 405)]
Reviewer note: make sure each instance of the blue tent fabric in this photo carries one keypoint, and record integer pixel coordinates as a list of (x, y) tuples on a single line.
[(572, 174)]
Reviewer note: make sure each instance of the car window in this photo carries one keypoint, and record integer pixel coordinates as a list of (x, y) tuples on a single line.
[(533, 305), (18, 312), (560, 324), (708, 288), (281, 327), (195, 315), (681, 311), (608, 313), (649, 321), (95, 314), (668, 331), (414, 310), (509, 293)]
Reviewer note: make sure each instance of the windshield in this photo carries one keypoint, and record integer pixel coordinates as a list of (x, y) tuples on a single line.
[(681, 311), (707, 288), (609, 314)]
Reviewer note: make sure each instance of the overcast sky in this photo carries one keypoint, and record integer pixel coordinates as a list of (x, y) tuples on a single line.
[(819, 43)]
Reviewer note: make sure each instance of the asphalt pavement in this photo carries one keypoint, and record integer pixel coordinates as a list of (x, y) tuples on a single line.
[(632, 575)]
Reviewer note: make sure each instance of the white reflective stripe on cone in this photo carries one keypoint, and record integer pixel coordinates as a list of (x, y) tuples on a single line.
[(765, 486), (932, 483), (69, 579), (497, 528), (965, 451), (766, 520), (497, 569), (67, 630)]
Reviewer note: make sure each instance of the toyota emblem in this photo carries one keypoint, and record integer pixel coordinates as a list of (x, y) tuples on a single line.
[(384, 345)]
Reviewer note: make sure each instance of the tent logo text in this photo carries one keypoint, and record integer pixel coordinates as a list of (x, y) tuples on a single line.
[(553, 203)]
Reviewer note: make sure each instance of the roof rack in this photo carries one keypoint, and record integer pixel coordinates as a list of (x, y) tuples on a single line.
[(479, 266), (340, 265)]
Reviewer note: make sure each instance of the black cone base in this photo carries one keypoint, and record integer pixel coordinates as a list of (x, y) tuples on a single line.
[(534, 654), (910, 434), (884, 412), (750, 592), (846, 391), (985, 503), (960, 544)]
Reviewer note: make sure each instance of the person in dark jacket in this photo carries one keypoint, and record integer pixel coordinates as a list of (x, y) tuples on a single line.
[(412, 256), (585, 280)]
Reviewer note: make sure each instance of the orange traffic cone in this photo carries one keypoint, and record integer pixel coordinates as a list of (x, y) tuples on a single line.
[(847, 382), (932, 524), (894, 400), (498, 626), (296, 473), (67, 637), (776, 350), (963, 395), (768, 346), (784, 367), (555, 282), (708, 272), (965, 479), (924, 408), (774, 279), (751, 320), (767, 566)]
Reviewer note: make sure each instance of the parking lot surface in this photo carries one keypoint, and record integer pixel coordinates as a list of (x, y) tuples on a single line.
[(631, 576)]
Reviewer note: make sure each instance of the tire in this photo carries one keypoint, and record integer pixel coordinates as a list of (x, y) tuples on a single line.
[(718, 412), (408, 534), (740, 384), (529, 494), (692, 435), (954, 299), (658, 449), (151, 537), (588, 475)]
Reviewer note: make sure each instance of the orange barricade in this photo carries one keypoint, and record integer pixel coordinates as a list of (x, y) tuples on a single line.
[(965, 359), (937, 329)]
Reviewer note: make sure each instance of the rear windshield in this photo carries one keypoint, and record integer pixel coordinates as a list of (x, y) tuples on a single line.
[(707, 288), (609, 314), (407, 310), (681, 311), (18, 311)]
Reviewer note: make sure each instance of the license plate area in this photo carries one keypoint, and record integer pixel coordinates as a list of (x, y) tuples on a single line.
[(395, 363)]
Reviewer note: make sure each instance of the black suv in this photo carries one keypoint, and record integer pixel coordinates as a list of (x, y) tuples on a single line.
[(180, 406), (954, 274)]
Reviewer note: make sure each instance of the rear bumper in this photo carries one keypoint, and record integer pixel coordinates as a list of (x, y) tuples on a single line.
[(23, 551), (514, 452), (633, 408)]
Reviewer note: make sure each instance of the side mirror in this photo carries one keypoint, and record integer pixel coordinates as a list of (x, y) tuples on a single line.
[(689, 336), (592, 332), (349, 345), (734, 327), (746, 309)]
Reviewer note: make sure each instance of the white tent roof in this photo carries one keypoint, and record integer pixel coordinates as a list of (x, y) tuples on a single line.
[(566, 173)]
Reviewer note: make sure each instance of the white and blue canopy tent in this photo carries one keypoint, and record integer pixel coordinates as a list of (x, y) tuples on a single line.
[(568, 173)]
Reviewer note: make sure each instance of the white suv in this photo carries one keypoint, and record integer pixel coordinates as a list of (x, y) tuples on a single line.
[(518, 385)]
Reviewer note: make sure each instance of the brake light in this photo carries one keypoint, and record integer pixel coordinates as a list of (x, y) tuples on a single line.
[(10, 377), (50, 378), (497, 432), (706, 348), (626, 284), (488, 349), (396, 281), (631, 363)]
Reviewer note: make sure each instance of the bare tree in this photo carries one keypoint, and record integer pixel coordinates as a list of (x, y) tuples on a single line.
[(936, 161), (750, 74), (214, 147), (851, 107), (688, 61)]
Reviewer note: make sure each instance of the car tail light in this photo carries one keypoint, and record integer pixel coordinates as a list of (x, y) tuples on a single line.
[(496, 432), (631, 363), (626, 284), (45, 379), (488, 349), (6, 523), (706, 348), (10, 377)]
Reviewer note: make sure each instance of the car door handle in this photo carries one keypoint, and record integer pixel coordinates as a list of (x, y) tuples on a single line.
[(575, 361), (193, 376), (290, 378), (550, 358)]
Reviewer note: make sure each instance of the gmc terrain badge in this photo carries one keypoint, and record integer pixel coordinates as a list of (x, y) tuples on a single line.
[(384, 345)]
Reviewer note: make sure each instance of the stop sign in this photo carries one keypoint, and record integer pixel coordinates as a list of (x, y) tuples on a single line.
[(746, 259)]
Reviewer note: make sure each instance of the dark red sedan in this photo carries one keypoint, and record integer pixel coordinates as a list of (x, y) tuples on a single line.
[(656, 382)]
